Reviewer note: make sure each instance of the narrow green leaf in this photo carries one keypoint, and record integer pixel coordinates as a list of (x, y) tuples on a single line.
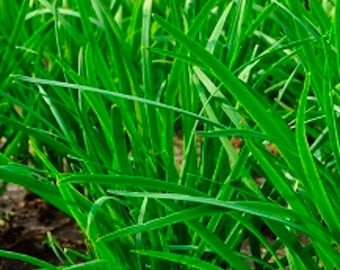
[(115, 95), (177, 217), (315, 185), (27, 259), (180, 259)]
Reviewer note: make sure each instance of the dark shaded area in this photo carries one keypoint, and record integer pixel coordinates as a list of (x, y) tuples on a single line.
[(24, 222)]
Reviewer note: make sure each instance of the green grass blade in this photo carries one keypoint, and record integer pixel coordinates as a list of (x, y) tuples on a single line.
[(315, 183), (27, 259), (179, 259), (177, 217), (116, 95)]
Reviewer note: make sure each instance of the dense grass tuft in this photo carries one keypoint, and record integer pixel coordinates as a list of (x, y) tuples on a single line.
[(94, 93)]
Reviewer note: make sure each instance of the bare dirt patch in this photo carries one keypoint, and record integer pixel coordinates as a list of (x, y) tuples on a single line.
[(25, 221)]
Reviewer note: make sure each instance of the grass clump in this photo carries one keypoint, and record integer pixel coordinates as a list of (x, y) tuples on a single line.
[(94, 92)]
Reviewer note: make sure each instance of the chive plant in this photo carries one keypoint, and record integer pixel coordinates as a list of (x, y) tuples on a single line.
[(94, 92)]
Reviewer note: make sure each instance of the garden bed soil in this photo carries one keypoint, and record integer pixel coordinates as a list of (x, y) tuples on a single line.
[(25, 221)]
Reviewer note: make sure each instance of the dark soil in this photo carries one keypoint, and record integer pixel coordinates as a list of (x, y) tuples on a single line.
[(25, 221)]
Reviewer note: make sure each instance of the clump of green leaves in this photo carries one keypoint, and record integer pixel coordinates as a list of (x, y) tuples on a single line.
[(94, 92)]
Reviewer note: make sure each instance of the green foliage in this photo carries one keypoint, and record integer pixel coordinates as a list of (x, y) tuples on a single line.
[(93, 93)]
